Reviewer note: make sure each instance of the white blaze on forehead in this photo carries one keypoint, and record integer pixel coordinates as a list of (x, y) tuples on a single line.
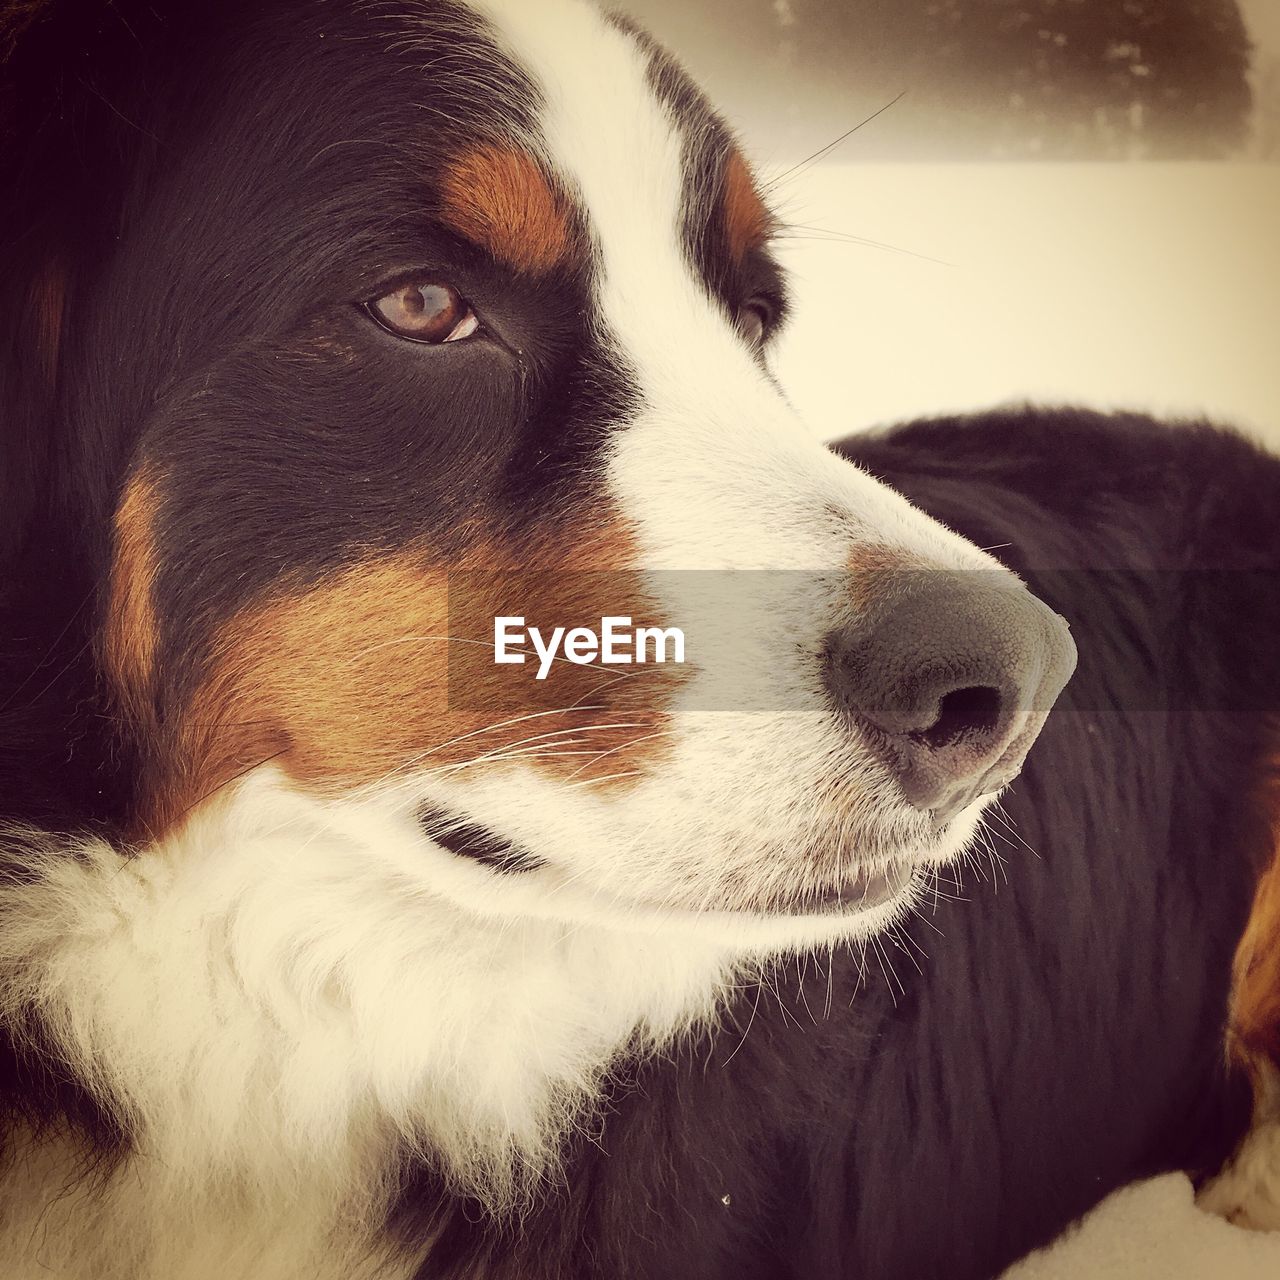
[(715, 471), (609, 136), (622, 152)]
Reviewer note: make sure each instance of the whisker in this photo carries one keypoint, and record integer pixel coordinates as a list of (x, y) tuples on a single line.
[(609, 777), (1001, 814), (235, 777), (895, 936), (496, 752), (413, 761), (824, 235), (623, 746), (886, 968), (804, 999), (796, 169), (53, 648), (750, 1022)]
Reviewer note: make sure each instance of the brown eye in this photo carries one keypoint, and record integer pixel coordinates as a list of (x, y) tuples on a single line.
[(425, 313), (754, 320)]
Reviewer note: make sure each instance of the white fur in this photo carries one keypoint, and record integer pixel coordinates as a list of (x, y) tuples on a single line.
[(275, 999), (1247, 1191)]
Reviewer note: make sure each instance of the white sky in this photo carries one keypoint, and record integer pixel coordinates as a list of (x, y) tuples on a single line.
[(1150, 286), (1263, 17)]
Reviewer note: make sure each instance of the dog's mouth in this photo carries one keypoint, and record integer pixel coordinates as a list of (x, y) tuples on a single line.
[(864, 890)]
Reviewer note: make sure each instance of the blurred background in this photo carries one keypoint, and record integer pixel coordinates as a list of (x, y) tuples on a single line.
[(1057, 200)]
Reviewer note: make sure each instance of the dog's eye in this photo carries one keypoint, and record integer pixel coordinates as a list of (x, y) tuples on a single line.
[(755, 319), (425, 311)]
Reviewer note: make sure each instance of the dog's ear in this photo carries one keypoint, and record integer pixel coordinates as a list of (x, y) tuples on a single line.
[(35, 268), (32, 308), (65, 68)]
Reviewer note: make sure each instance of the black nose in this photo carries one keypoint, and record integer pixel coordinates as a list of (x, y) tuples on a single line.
[(952, 674)]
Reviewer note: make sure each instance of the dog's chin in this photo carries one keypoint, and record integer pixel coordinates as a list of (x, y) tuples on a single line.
[(865, 890), (866, 906), (496, 877)]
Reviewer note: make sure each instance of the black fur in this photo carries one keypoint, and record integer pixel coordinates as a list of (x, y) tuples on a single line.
[(708, 146), (214, 231)]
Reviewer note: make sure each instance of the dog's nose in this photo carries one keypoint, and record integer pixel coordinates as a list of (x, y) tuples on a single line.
[(954, 674)]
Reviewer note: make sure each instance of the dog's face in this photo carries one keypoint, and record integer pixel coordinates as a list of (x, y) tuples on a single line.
[(418, 314)]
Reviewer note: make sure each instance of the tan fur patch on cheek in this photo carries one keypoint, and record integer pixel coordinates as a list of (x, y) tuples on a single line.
[(500, 199), (343, 679), (386, 669), (130, 639), (747, 220)]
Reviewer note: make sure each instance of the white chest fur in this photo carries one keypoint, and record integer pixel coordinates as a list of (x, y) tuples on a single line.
[(275, 1006)]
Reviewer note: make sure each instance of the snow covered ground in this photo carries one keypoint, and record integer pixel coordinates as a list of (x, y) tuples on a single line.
[(1129, 285), (1155, 1231)]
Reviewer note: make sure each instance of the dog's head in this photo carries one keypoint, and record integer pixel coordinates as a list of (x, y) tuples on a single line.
[(362, 326)]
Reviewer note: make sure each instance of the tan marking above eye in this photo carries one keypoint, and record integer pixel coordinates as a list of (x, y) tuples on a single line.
[(747, 220), (430, 312), (500, 199)]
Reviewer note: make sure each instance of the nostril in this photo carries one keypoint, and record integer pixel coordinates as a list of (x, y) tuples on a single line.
[(948, 679), (962, 714)]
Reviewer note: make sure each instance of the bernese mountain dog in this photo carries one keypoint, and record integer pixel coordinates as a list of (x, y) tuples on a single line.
[(332, 948)]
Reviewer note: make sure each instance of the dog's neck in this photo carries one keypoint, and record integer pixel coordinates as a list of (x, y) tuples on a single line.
[(267, 1005)]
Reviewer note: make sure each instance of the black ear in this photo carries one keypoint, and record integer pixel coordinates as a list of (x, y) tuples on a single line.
[(31, 318), (71, 73), (35, 263)]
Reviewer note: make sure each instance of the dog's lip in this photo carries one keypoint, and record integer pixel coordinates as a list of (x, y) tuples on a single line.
[(870, 887), (864, 890)]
